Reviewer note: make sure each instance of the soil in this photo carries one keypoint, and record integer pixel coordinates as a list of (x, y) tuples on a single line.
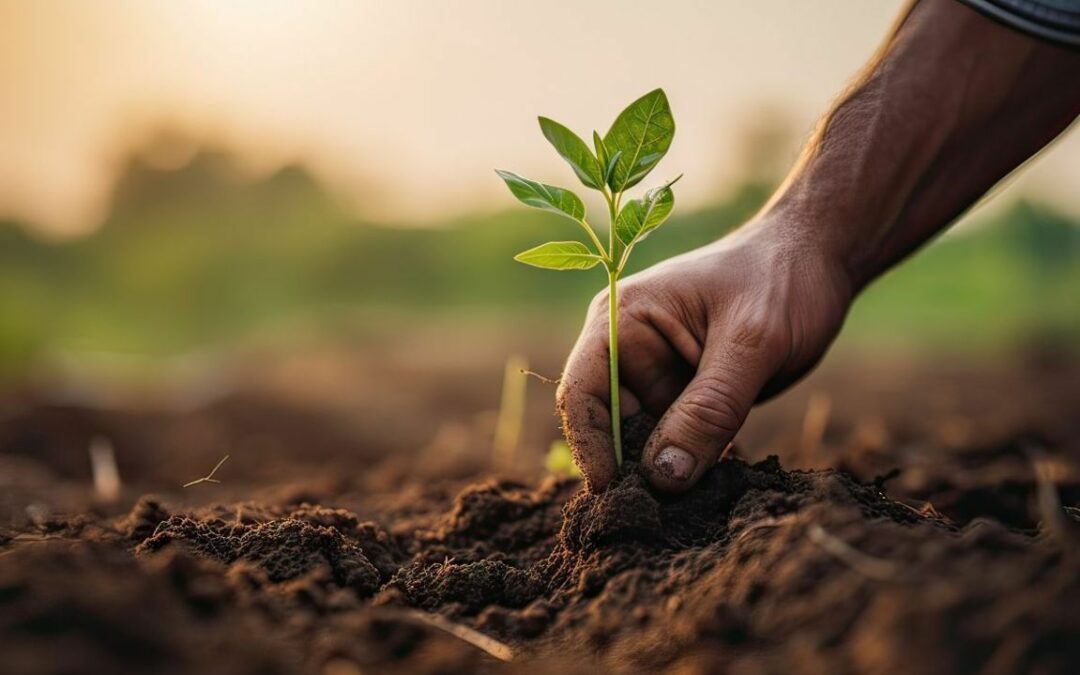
[(968, 564)]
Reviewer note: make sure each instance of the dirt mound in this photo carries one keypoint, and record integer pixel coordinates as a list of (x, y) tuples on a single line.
[(311, 540), (756, 567), (92, 608), (283, 549)]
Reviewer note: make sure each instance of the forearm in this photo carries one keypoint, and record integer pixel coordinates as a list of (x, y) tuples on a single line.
[(950, 105)]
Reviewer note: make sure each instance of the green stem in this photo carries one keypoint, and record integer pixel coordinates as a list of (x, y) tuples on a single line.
[(613, 362), (613, 325), (595, 240)]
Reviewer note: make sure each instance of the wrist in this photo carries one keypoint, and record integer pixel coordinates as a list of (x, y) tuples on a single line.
[(804, 229)]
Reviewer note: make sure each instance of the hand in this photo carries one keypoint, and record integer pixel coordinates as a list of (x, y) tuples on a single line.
[(702, 337), (908, 147)]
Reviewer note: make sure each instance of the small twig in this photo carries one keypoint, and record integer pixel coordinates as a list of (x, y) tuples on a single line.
[(863, 563), (490, 645), (545, 380), (104, 470), (728, 450), (927, 510), (511, 416), (208, 478), (881, 479), (766, 524), (816, 421), (1047, 474)]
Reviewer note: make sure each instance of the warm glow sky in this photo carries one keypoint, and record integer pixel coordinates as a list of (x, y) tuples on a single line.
[(411, 102)]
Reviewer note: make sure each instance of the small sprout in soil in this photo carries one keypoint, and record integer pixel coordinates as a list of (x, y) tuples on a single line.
[(106, 475), (560, 460), (636, 142), (816, 421), (511, 417), (1054, 519), (208, 478)]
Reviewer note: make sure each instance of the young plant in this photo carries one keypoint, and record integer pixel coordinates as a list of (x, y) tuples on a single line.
[(636, 142)]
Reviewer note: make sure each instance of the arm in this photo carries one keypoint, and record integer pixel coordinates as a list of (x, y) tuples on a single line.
[(951, 103)]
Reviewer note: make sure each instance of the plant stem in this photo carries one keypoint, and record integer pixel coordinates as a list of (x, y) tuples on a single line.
[(592, 235), (613, 362), (614, 270)]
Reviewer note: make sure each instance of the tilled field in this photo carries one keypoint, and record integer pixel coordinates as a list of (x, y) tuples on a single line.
[(923, 541)]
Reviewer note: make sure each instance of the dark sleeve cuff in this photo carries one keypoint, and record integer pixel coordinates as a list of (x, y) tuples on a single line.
[(1053, 20)]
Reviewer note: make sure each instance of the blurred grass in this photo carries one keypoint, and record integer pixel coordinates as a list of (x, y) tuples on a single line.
[(199, 257), (1010, 281)]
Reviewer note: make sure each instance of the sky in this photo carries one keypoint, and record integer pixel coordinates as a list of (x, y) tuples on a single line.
[(404, 107)]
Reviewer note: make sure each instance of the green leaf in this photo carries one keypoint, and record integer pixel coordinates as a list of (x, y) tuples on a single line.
[(642, 133), (560, 460), (560, 255), (574, 151), (601, 151), (607, 162), (639, 217), (612, 163), (541, 196)]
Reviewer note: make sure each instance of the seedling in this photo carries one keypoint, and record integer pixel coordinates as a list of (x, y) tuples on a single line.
[(511, 417), (560, 460), (636, 142)]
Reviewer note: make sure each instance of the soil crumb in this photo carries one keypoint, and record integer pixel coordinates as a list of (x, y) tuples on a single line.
[(756, 569)]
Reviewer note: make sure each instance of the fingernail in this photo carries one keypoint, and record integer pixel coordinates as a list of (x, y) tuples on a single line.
[(675, 463)]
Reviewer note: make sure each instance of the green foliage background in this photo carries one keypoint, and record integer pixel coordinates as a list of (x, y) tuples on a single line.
[(199, 257)]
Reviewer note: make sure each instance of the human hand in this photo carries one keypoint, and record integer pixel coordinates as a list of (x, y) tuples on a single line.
[(703, 336), (908, 147)]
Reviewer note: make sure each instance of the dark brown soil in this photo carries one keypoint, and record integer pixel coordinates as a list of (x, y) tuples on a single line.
[(758, 569)]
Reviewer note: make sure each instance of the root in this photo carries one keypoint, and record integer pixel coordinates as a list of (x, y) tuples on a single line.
[(208, 478), (490, 645), (766, 524), (545, 380), (865, 564)]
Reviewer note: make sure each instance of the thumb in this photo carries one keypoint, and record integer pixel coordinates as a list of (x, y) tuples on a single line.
[(706, 416)]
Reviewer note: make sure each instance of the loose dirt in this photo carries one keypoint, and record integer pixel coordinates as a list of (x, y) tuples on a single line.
[(757, 569)]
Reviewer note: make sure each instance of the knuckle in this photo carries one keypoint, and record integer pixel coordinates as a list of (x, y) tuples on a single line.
[(562, 393), (631, 294), (598, 305), (758, 331), (751, 330), (712, 411), (567, 395), (639, 303), (579, 408)]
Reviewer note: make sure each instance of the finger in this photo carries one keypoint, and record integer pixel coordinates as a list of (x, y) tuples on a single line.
[(629, 405), (653, 370), (582, 400), (708, 413)]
